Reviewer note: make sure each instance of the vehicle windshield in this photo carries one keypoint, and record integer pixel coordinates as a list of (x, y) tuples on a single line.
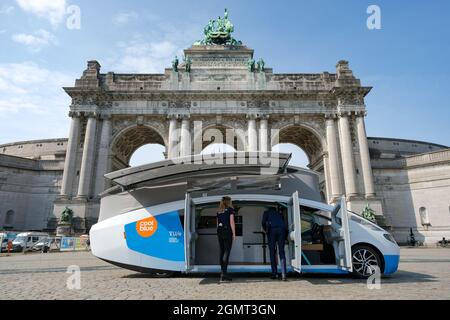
[(43, 241), (317, 212), (20, 239)]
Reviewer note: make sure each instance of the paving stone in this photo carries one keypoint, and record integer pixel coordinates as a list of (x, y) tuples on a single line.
[(422, 274)]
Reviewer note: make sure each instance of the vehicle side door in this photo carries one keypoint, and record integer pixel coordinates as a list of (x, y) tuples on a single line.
[(342, 244), (188, 228), (295, 231)]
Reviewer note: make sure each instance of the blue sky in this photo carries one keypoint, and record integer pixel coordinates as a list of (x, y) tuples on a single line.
[(407, 61)]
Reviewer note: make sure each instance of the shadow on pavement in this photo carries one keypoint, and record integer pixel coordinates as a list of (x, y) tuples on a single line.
[(402, 276), (315, 279)]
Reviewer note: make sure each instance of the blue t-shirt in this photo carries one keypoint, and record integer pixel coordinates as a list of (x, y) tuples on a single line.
[(272, 219), (224, 217)]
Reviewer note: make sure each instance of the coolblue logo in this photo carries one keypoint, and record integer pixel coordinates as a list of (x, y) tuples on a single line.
[(157, 236)]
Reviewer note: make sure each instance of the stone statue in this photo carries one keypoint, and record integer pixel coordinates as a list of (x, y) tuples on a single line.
[(251, 65), (175, 64), (261, 65), (219, 32), (220, 25), (209, 27), (66, 216), (187, 64), (369, 213)]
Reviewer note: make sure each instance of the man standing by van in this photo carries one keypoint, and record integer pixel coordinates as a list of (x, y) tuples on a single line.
[(274, 226)]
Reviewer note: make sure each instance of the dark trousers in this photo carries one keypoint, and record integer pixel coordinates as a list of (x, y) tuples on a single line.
[(225, 242), (276, 238)]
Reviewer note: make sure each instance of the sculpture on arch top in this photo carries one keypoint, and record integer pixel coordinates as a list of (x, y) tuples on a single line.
[(218, 32)]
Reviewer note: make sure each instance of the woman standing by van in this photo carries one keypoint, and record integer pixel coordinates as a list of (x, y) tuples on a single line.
[(226, 234)]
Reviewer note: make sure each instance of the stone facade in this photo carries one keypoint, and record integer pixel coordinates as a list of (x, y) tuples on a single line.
[(413, 180), (114, 114), (30, 181)]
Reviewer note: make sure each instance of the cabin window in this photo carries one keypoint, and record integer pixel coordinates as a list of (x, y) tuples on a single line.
[(306, 224)]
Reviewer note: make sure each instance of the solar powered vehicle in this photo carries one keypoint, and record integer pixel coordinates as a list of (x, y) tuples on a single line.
[(160, 218)]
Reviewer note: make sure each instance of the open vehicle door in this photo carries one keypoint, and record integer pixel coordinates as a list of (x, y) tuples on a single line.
[(295, 232), (188, 221), (343, 248)]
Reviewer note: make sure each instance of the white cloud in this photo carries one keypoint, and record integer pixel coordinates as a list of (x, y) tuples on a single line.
[(7, 10), (153, 51), (138, 55), (28, 87), (125, 17), (51, 10), (36, 41)]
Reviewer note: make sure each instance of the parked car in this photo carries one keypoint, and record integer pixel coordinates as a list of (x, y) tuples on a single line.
[(26, 240), (47, 244)]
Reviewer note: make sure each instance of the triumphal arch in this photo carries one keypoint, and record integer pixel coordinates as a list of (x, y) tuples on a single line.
[(219, 85)]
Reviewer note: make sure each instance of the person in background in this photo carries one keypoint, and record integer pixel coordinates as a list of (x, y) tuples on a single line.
[(9, 247), (274, 226), (226, 234)]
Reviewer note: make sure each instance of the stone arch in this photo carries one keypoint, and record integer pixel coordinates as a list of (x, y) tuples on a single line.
[(239, 139), (128, 140), (304, 136)]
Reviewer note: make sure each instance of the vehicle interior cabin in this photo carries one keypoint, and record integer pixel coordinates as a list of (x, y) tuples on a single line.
[(251, 247)]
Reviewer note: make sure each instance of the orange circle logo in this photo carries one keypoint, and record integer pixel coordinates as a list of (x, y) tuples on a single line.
[(146, 227)]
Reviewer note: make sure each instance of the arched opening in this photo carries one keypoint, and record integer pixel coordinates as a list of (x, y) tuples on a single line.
[(215, 148), (305, 139), (9, 219), (299, 157), (137, 145), (147, 154), (219, 137), (306, 146)]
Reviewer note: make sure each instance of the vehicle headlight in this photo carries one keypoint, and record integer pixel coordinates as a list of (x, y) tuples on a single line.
[(389, 237)]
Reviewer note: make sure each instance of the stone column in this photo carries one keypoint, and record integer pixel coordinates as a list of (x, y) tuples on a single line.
[(103, 155), (185, 143), (333, 159), (326, 173), (88, 158), (264, 134), (71, 155), (252, 135), (172, 151), (365, 157), (348, 162)]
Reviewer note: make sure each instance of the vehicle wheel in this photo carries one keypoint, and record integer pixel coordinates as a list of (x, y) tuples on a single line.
[(365, 260)]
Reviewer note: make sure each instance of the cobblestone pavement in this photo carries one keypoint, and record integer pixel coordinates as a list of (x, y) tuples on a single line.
[(423, 274)]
